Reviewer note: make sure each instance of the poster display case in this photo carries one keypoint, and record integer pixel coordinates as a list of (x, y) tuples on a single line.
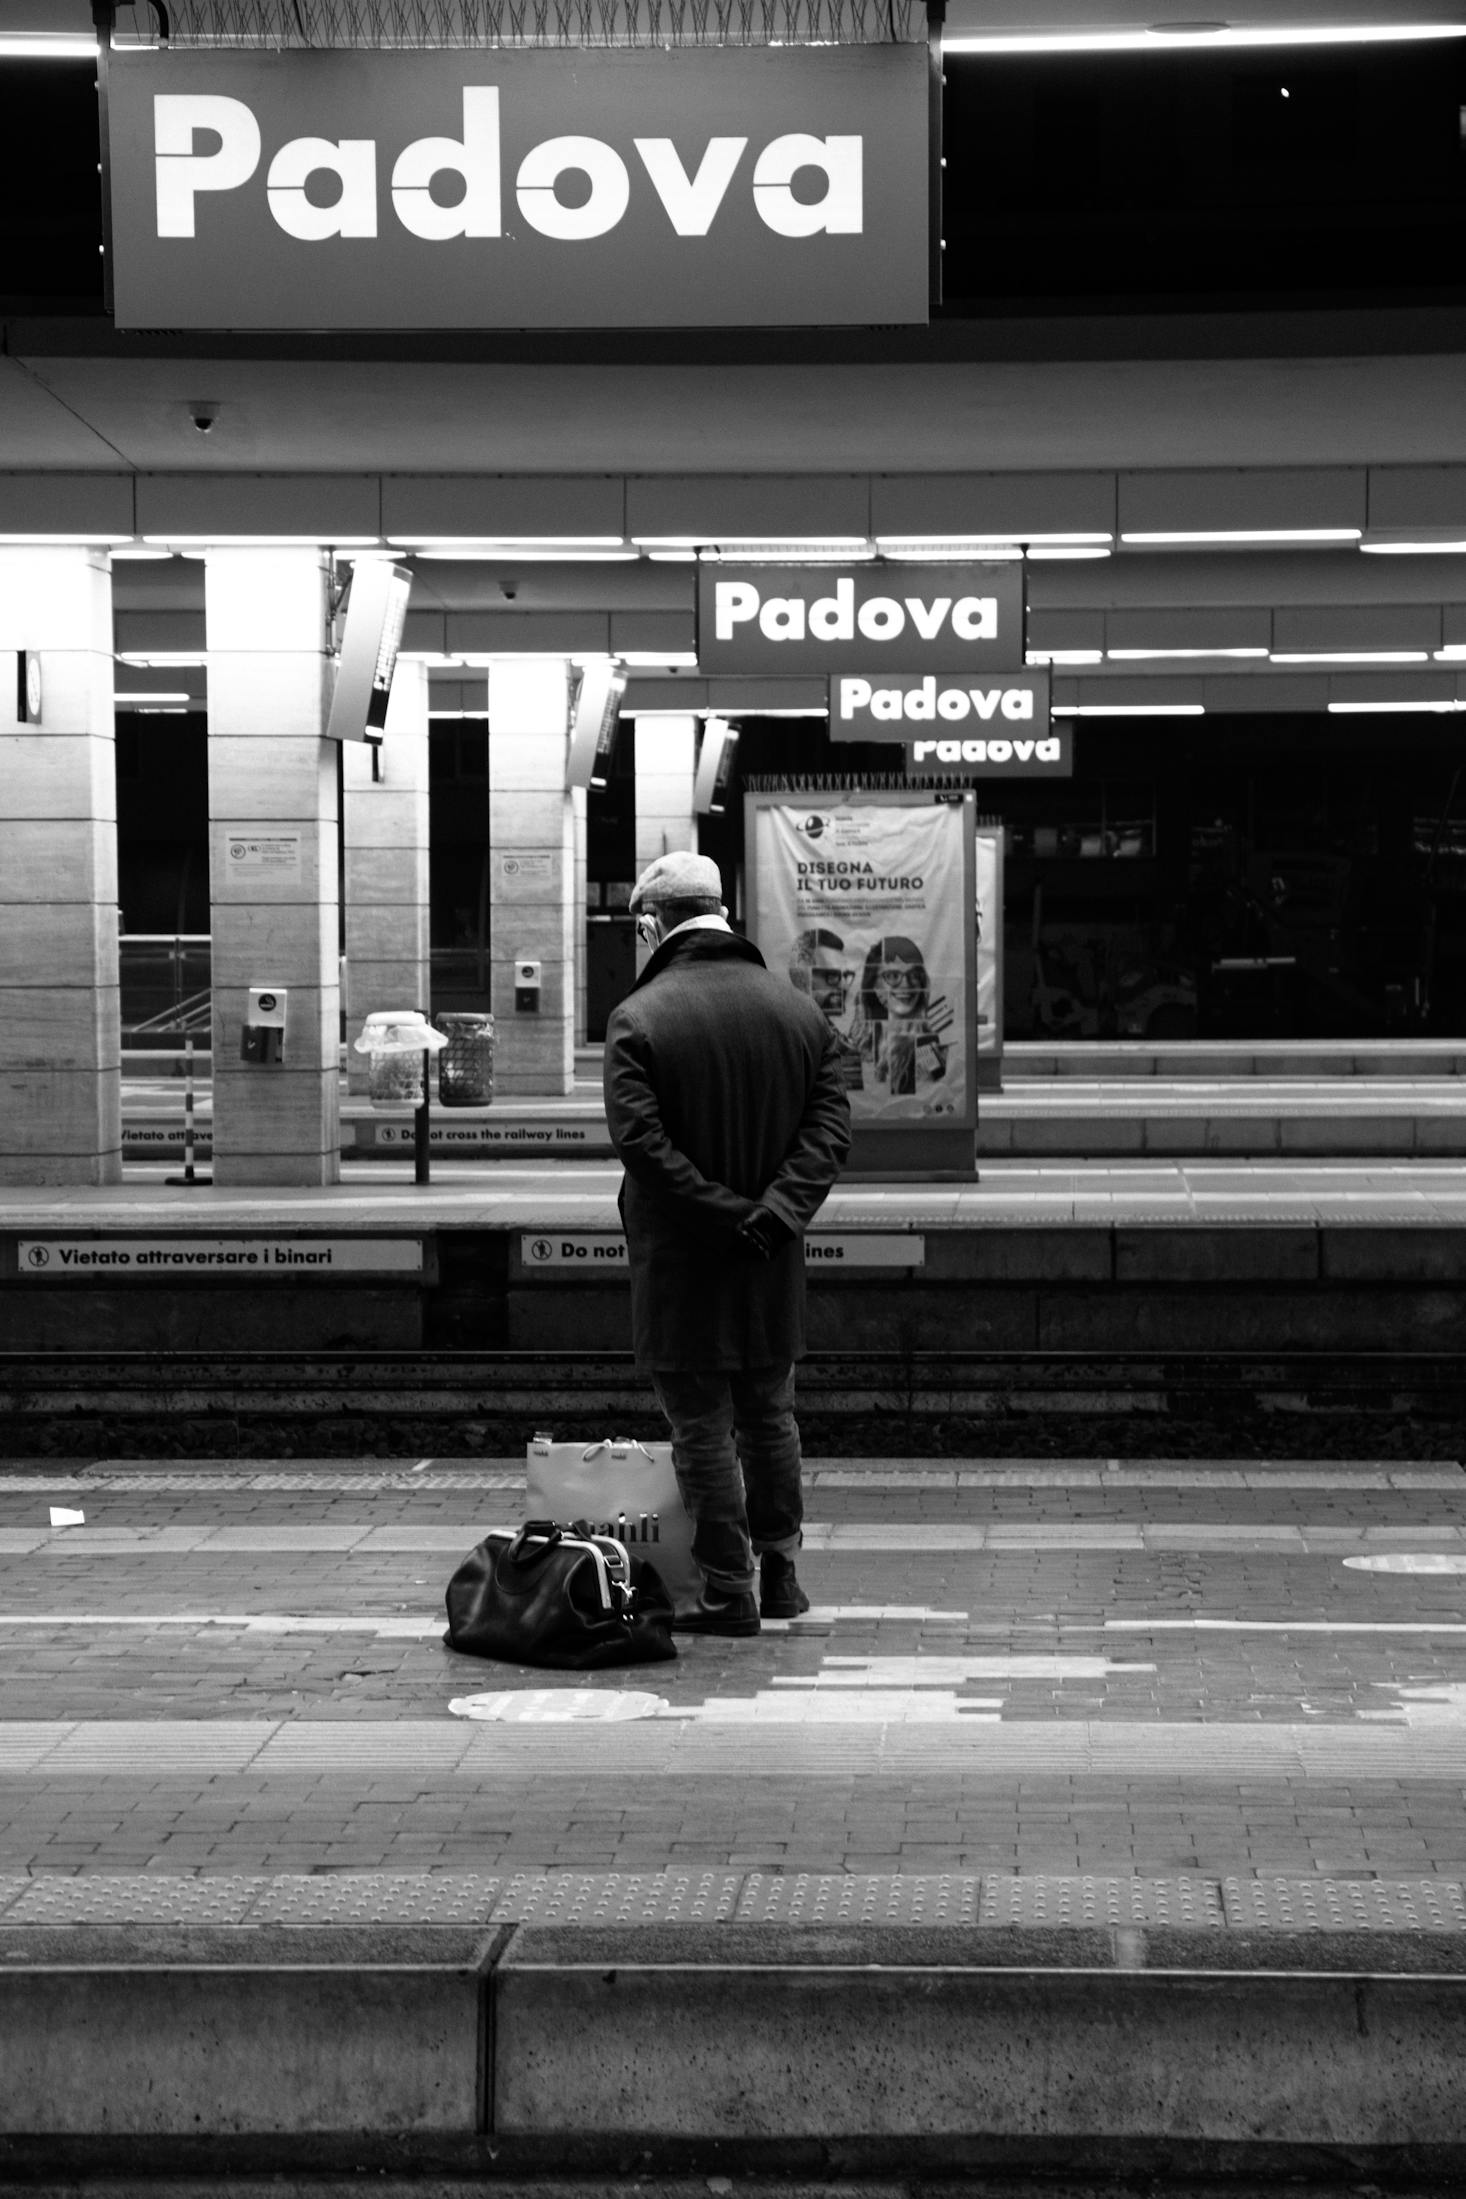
[(869, 903)]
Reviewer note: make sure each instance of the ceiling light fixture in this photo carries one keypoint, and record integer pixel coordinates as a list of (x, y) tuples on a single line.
[(1049, 553), (1349, 656), (788, 553), (1129, 710), (448, 542), (1139, 656), (1212, 37), (639, 659), (48, 46), (952, 553), (507, 556), (1161, 536), (1413, 549), (1064, 656), (262, 541), (1438, 709)]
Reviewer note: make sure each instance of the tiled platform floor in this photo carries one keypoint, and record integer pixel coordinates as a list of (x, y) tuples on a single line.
[(1052, 1692)]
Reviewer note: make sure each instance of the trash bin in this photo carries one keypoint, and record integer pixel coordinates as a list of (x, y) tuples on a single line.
[(466, 1064), (395, 1039)]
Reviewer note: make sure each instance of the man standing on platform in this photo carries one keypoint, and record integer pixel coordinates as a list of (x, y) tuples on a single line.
[(728, 1112)]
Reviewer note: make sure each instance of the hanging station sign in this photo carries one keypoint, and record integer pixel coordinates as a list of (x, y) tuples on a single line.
[(999, 725), (647, 188), (870, 619)]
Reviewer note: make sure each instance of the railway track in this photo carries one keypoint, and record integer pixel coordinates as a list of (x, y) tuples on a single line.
[(126, 1404)]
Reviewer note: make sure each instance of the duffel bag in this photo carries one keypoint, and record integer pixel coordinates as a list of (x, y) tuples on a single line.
[(544, 1595)]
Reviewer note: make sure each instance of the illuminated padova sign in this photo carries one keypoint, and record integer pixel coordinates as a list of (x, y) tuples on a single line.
[(590, 189), (863, 618)]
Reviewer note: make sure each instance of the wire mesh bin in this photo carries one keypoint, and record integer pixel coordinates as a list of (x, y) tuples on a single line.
[(395, 1040), (466, 1064)]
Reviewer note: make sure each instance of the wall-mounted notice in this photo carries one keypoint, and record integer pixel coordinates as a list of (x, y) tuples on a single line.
[(56, 1258), (869, 907), (594, 1252), (261, 855)]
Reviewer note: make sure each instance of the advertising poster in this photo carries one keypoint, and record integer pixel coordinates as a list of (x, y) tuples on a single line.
[(989, 942), (869, 909)]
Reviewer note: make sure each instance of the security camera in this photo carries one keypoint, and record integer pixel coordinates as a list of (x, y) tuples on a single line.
[(203, 416)]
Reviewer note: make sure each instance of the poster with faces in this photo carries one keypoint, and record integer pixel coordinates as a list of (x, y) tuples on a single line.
[(869, 910)]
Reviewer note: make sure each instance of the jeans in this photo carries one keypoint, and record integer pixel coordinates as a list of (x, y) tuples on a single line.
[(736, 1449)]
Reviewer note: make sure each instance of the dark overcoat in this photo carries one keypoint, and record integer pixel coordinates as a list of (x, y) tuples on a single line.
[(723, 1092)]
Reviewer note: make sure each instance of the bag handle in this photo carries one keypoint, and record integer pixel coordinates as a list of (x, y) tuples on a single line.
[(613, 1443), (544, 1532)]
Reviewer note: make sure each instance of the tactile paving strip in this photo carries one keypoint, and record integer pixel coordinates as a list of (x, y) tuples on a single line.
[(378, 1897), (881, 1898), (133, 1898), (12, 1885), (1101, 1901), (1346, 1904), (621, 1897)]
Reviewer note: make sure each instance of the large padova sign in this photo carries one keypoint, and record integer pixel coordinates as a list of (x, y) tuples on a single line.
[(589, 189)]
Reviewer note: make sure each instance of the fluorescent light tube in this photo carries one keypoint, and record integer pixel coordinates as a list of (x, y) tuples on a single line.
[(1129, 710), (683, 657), (449, 542), (1050, 553), (320, 541), (1439, 709), (1245, 534), (1064, 656), (1413, 549), (48, 46), (577, 556), (1150, 655), (1349, 656), (788, 553), (953, 553), (1189, 37), (973, 543), (164, 695)]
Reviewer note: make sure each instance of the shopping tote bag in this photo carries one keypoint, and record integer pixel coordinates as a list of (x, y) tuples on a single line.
[(622, 1488)]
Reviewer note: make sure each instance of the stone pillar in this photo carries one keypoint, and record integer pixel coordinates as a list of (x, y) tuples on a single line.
[(273, 864), (60, 1030), (666, 758), (386, 839), (531, 872)]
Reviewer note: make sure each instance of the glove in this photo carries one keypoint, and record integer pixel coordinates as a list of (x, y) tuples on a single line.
[(763, 1233)]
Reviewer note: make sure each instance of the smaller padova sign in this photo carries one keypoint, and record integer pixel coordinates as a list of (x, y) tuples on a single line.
[(999, 725), (860, 618)]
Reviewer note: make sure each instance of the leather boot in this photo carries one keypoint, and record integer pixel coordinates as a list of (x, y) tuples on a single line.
[(720, 1611), (780, 1595)]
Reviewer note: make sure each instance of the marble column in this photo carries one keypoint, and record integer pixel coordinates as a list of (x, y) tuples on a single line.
[(61, 1048), (666, 759), (273, 863), (385, 833), (531, 873)]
